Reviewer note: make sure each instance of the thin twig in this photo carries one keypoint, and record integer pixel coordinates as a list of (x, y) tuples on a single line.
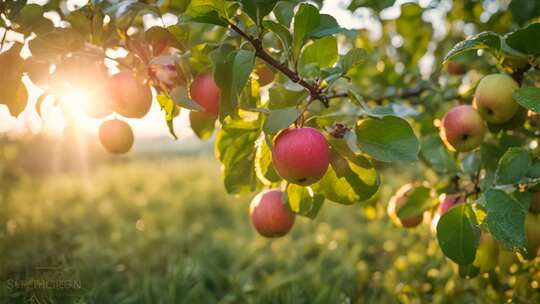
[(314, 91)]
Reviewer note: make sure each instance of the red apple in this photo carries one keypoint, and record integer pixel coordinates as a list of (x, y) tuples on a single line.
[(131, 98), (206, 93), (269, 216), (116, 136), (301, 155), (462, 129)]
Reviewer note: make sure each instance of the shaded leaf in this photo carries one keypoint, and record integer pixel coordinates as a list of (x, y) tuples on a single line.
[(396, 142), (506, 218), (513, 166), (458, 234)]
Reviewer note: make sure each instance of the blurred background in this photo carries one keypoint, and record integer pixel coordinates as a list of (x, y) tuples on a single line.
[(156, 226)]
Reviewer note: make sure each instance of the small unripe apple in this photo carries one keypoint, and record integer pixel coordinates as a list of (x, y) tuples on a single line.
[(266, 75), (487, 254), (462, 129), (397, 202), (493, 98), (535, 203), (206, 93), (131, 98), (532, 232), (455, 68), (301, 155), (269, 215), (449, 200), (116, 136)]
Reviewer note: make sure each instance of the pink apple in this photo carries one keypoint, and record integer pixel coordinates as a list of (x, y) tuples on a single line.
[(269, 216), (301, 155), (131, 98), (463, 129), (449, 200), (206, 93)]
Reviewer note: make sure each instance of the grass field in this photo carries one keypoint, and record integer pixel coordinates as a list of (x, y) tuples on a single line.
[(164, 231)]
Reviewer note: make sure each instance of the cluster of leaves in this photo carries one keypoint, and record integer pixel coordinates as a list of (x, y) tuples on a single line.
[(370, 99)]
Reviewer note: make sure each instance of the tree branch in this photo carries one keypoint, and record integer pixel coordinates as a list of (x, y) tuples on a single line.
[(315, 91), (414, 92)]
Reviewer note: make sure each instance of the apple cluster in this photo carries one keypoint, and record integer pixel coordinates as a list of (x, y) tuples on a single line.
[(127, 96), (300, 156), (463, 127)]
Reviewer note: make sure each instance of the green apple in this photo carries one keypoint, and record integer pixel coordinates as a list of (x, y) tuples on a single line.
[(535, 203), (493, 98), (487, 254), (532, 232)]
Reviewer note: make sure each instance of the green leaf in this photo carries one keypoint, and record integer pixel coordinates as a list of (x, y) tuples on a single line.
[(81, 20), (280, 97), (263, 164), (235, 148), (322, 53), (303, 201), (181, 98), (528, 97), (387, 139), (13, 93), (436, 156), (15, 97), (282, 32), (352, 58), (59, 42), (159, 38), (258, 9), (171, 111), (525, 40), (231, 73), (524, 10), (327, 26), (202, 125), (348, 181), (377, 5), (418, 201), (513, 166), (31, 19), (280, 119), (484, 40), (306, 19), (458, 234), (506, 218), (284, 12), (534, 170), (471, 163), (206, 11), (415, 31)]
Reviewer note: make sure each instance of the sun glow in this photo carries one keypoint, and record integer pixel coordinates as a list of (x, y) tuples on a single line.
[(72, 103)]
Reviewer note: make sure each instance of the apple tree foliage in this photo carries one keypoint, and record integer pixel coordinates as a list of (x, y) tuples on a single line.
[(377, 97)]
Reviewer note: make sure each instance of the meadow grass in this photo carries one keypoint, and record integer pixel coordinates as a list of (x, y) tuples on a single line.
[(164, 231)]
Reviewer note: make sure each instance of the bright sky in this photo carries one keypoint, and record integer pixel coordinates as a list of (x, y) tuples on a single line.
[(153, 124)]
